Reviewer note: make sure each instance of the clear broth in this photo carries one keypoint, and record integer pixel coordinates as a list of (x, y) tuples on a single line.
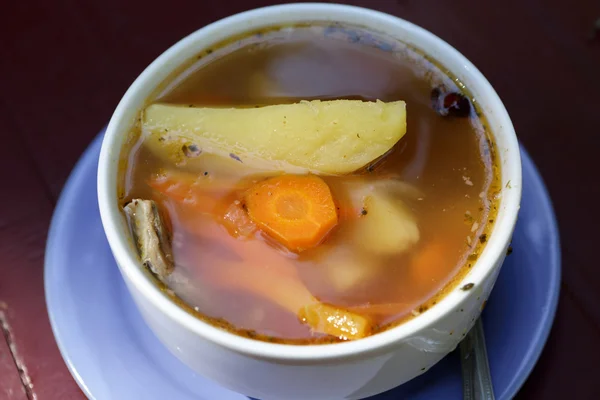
[(450, 160)]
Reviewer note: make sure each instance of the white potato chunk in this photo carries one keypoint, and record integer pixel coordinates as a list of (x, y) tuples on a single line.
[(387, 226), (327, 137)]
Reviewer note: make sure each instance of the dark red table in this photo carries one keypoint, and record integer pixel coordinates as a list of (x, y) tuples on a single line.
[(64, 64)]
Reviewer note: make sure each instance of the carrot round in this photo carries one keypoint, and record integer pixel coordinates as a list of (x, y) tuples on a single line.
[(297, 211)]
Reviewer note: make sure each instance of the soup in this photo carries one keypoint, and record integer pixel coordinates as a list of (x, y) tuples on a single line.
[(309, 184)]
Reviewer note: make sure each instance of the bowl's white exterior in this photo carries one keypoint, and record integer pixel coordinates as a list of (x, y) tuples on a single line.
[(349, 370)]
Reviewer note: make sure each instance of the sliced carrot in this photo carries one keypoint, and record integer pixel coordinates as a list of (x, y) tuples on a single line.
[(297, 211), (180, 183), (181, 189), (171, 185), (201, 193), (429, 264)]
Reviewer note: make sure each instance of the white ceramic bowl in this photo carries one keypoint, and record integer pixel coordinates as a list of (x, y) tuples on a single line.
[(349, 370)]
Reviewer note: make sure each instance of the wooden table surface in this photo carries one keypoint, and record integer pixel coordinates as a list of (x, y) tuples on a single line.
[(64, 64)]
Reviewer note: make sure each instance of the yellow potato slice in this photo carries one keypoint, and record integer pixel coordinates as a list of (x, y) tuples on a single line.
[(327, 137)]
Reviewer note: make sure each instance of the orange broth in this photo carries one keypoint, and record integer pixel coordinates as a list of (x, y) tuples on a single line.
[(446, 163)]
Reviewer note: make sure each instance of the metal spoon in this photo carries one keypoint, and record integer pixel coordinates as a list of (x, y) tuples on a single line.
[(477, 380)]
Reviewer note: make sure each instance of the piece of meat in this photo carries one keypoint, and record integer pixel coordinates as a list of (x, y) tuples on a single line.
[(151, 237)]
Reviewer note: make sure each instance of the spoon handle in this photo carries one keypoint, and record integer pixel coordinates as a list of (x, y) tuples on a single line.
[(477, 380)]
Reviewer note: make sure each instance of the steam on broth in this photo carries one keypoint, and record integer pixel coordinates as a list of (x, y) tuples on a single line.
[(306, 188)]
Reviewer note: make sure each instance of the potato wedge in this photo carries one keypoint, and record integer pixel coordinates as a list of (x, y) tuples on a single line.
[(327, 137), (387, 226), (335, 321)]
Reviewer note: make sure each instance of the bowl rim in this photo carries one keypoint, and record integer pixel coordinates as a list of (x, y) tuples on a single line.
[(300, 354)]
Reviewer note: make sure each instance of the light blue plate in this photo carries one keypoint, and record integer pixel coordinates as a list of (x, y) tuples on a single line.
[(113, 355)]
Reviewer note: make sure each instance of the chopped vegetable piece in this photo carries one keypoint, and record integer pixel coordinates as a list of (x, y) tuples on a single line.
[(351, 193), (297, 211), (179, 184), (287, 291), (329, 137), (200, 192), (237, 221), (387, 227), (173, 184), (335, 321)]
